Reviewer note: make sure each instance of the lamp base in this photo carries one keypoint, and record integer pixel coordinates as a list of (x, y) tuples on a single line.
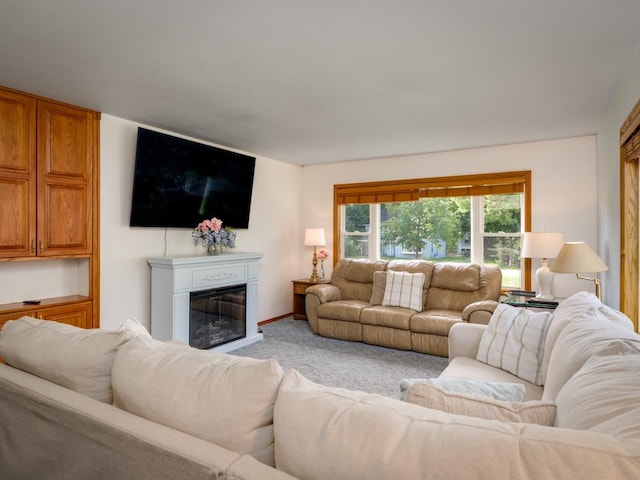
[(544, 279), (544, 296)]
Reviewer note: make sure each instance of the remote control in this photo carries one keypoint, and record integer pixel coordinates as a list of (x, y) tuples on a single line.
[(31, 302)]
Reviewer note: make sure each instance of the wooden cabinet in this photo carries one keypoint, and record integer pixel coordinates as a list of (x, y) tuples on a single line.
[(17, 174), (49, 188), (73, 310), (46, 177)]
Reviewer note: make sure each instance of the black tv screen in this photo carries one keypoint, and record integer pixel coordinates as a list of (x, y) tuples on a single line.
[(178, 183)]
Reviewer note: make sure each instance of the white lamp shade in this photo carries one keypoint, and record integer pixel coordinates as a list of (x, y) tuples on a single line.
[(314, 237), (578, 257), (541, 244)]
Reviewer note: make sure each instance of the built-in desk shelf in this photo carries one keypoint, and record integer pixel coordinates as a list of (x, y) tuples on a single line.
[(173, 279)]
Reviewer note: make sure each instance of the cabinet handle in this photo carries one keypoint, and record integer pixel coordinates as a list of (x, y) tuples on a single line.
[(33, 246), (41, 246)]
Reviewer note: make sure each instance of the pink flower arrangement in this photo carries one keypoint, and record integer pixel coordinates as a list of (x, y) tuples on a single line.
[(210, 234), (322, 253), (213, 225)]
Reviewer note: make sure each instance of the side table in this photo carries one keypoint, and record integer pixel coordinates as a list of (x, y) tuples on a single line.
[(529, 303), (299, 287)]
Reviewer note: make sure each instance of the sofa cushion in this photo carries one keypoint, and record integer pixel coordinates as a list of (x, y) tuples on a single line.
[(410, 266), (505, 391), (379, 285), (456, 276), (431, 396), (221, 398), (362, 270), (514, 341), (603, 397), (392, 317), (434, 322), (590, 333), (413, 266), (354, 277), (403, 290), (577, 304), (344, 310), (76, 358), (332, 433)]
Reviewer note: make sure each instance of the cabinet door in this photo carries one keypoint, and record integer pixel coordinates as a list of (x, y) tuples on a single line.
[(65, 160), (5, 317), (78, 315), (17, 174)]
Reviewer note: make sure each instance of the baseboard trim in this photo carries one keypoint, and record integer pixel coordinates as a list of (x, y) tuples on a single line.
[(275, 319)]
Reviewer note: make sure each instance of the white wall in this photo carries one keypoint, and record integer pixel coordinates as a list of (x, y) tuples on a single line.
[(563, 177), (609, 181), (287, 199), (273, 230)]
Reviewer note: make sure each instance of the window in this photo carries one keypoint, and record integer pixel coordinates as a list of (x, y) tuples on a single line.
[(475, 219)]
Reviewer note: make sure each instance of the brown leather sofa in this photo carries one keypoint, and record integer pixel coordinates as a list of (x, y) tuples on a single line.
[(350, 307)]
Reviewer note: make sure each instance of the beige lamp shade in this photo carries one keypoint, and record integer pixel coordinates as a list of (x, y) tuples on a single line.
[(541, 244), (578, 257), (314, 237)]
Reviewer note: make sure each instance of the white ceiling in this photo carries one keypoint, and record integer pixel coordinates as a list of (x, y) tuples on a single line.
[(310, 82)]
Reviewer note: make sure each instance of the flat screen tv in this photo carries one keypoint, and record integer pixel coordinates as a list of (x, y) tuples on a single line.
[(178, 183)]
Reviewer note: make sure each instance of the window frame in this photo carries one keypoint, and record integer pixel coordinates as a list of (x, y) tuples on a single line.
[(413, 189)]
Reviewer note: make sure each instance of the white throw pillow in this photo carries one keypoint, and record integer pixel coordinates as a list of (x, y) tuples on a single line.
[(76, 358), (403, 290), (514, 341), (603, 397), (221, 398), (505, 391), (430, 396), (132, 328)]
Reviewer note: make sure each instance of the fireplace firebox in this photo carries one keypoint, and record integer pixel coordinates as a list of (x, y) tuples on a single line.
[(217, 316)]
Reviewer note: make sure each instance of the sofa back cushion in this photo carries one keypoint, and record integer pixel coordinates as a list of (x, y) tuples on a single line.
[(589, 333), (354, 277), (603, 397), (225, 399), (76, 358), (454, 286), (577, 305), (333, 433)]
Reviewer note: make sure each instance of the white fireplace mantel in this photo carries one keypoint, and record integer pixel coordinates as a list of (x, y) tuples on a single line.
[(174, 278)]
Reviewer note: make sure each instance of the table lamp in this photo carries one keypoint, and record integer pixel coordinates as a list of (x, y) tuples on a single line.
[(543, 245), (314, 237), (578, 257)]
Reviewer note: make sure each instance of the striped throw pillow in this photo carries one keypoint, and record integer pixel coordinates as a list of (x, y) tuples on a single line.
[(403, 289), (514, 341)]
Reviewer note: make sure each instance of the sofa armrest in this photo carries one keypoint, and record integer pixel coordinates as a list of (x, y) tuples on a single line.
[(316, 295), (464, 339), (325, 292), (479, 312)]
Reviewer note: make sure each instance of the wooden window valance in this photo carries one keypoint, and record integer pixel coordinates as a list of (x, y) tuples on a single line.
[(412, 190)]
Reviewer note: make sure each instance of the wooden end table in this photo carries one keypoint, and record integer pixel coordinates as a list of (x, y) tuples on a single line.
[(299, 287)]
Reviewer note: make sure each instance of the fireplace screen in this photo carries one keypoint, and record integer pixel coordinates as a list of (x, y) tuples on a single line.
[(217, 316)]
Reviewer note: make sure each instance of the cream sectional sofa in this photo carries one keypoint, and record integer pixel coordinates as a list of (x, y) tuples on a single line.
[(352, 307), (109, 405)]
